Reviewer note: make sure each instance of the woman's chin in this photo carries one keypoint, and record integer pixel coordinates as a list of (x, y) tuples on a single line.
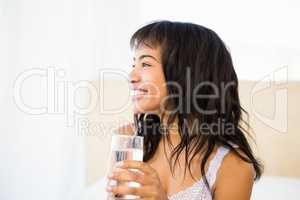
[(138, 110), (137, 107), (142, 107)]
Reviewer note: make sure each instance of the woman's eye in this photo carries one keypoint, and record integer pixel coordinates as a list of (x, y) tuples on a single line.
[(143, 65), (146, 65)]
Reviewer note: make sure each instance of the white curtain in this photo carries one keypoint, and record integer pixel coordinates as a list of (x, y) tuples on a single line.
[(49, 51)]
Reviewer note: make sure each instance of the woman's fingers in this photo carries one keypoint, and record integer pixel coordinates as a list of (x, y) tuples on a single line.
[(128, 175), (134, 164), (124, 189), (136, 171)]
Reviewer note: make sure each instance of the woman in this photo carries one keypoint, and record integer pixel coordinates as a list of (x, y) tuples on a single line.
[(186, 96)]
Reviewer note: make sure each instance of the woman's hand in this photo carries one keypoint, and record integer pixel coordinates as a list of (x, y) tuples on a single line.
[(150, 186)]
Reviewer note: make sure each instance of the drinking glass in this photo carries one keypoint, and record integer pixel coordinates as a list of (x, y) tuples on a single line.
[(124, 147)]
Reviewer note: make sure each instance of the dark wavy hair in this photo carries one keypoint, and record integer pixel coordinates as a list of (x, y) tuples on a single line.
[(194, 51)]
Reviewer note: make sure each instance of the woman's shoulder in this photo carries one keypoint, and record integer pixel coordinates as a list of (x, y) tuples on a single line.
[(234, 173), (235, 162)]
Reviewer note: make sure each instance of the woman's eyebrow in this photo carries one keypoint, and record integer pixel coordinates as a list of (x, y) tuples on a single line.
[(145, 56)]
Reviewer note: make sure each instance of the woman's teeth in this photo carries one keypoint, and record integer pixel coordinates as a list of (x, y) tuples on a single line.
[(137, 93)]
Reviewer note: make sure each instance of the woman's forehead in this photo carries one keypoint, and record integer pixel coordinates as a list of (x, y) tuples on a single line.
[(146, 49)]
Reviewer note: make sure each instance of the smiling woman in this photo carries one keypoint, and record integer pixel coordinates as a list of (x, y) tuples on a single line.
[(183, 75)]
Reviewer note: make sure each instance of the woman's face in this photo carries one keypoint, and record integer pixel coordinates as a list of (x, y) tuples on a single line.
[(147, 81)]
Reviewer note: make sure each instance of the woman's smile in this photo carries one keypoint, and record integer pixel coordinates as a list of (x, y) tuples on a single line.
[(137, 94)]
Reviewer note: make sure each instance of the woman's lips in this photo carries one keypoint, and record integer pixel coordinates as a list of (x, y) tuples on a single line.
[(137, 94)]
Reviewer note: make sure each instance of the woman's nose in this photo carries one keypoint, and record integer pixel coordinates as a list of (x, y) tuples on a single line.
[(134, 76)]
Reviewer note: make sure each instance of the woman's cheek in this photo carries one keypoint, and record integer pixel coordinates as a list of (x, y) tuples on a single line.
[(146, 104), (151, 101), (158, 98)]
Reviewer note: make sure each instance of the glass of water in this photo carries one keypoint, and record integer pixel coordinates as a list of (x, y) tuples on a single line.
[(124, 147)]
